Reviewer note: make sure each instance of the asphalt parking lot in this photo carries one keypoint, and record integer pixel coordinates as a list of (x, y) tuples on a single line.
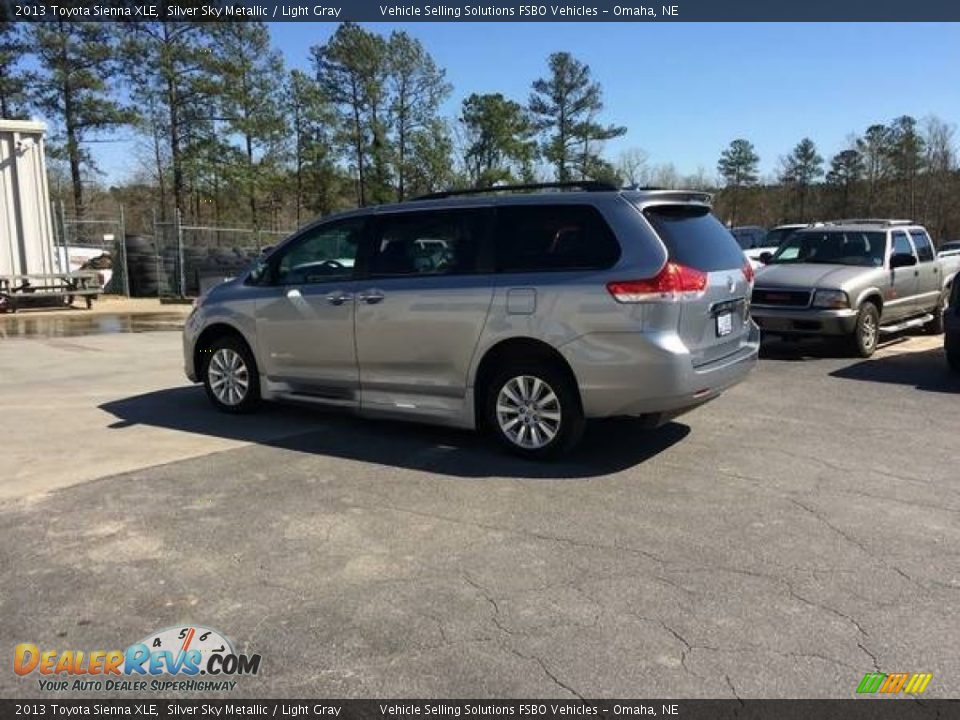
[(782, 541)]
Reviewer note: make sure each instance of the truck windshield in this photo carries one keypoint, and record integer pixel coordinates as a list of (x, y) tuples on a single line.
[(832, 247), (777, 235)]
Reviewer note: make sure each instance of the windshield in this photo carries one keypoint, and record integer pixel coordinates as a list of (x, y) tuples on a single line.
[(833, 247), (778, 235)]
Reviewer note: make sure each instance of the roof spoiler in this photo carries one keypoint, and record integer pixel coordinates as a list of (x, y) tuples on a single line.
[(674, 196)]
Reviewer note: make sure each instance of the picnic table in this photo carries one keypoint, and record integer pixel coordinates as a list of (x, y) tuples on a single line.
[(18, 291)]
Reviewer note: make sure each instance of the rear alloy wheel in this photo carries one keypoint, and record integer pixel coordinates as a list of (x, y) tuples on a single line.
[(534, 411), (867, 331), (230, 376)]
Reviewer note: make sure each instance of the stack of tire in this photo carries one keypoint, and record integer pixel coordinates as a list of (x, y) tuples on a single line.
[(152, 272), (142, 265)]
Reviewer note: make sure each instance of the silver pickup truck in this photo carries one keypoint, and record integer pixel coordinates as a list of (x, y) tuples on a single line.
[(855, 279)]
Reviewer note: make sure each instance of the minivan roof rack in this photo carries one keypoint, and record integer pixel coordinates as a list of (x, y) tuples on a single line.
[(585, 185), (887, 222)]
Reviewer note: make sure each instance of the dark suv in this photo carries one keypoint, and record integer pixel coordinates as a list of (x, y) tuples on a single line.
[(951, 324)]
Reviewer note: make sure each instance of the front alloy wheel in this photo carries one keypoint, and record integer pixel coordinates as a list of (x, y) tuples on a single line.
[(867, 330), (230, 376)]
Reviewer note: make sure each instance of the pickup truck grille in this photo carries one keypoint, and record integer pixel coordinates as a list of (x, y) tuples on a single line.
[(781, 298)]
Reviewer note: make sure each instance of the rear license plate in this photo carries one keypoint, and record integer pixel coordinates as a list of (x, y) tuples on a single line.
[(724, 324)]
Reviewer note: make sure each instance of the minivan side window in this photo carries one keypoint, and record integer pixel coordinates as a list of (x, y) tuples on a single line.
[(924, 247), (427, 243), (901, 244), (325, 253), (531, 238)]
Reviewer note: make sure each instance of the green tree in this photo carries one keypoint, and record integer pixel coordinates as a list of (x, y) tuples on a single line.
[(74, 87), (352, 70), (15, 80), (801, 168), (250, 75), (906, 162), (312, 121), (738, 168), (170, 73), (846, 170), (501, 140), (417, 87), (565, 106), (430, 165), (875, 148), (940, 174)]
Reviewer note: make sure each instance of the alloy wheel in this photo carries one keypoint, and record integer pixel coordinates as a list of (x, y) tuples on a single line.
[(528, 412), (229, 377)]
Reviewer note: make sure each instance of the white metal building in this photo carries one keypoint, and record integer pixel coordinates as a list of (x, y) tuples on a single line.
[(26, 234)]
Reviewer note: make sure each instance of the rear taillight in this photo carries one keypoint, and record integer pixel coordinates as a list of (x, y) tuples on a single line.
[(670, 284), (748, 271)]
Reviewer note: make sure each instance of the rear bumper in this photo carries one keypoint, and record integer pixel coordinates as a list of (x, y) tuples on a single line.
[(804, 321), (650, 374)]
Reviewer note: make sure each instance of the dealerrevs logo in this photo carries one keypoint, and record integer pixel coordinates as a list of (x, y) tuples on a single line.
[(180, 653)]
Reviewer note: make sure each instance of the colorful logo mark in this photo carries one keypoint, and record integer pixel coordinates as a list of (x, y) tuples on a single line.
[(911, 683)]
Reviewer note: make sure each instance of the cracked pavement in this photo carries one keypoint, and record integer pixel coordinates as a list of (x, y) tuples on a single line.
[(781, 541)]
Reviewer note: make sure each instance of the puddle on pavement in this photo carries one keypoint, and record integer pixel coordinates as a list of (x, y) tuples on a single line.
[(23, 325)]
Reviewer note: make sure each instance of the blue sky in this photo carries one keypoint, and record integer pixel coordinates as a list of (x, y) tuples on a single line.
[(685, 90)]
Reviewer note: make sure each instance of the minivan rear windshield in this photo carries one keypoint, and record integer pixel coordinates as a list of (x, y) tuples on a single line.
[(695, 238)]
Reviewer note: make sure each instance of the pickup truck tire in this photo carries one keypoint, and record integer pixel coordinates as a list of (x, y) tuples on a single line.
[(935, 326), (863, 341)]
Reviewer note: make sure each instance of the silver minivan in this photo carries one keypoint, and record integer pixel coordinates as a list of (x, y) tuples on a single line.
[(521, 313)]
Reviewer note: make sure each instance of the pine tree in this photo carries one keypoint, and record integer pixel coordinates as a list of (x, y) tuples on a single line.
[(15, 80), (738, 168), (170, 72), (565, 106), (74, 88), (352, 71), (501, 140), (801, 168), (249, 80), (846, 170), (417, 87), (313, 124)]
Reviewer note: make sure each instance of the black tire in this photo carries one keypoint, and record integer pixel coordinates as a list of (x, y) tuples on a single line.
[(251, 396), (571, 421), (935, 326), (951, 345), (863, 342)]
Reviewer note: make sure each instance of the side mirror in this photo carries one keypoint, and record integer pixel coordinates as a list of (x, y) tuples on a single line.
[(902, 260), (265, 250), (258, 273), (766, 256)]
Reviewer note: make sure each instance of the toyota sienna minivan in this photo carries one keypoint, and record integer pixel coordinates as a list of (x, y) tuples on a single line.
[(520, 313)]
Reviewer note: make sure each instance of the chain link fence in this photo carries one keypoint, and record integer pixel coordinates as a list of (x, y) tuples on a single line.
[(176, 261), (191, 258), (92, 242)]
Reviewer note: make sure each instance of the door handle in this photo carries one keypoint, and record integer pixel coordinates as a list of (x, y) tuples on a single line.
[(338, 298), (370, 297)]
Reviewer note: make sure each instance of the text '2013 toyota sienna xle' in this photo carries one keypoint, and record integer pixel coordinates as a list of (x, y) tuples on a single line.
[(520, 313)]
